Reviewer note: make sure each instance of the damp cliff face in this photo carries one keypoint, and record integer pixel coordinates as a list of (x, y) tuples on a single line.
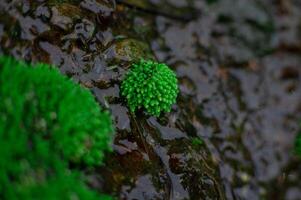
[(231, 133)]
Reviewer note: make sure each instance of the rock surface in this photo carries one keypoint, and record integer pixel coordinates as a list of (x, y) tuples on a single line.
[(240, 91)]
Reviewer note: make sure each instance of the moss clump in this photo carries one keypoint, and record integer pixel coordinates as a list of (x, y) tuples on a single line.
[(150, 85), (42, 101), (46, 122)]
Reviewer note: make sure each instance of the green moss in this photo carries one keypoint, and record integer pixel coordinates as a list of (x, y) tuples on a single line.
[(61, 187), (150, 85), (298, 144), (197, 142), (42, 101), (46, 122)]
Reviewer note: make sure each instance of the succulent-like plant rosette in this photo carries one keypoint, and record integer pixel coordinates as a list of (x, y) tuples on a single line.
[(150, 85)]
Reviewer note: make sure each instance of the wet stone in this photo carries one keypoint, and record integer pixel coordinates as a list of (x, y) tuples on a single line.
[(43, 12), (64, 15), (102, 7), (239, 81), (83, 29), (128, 50)]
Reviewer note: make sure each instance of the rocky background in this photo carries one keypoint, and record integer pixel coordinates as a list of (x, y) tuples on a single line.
[(231, 133)]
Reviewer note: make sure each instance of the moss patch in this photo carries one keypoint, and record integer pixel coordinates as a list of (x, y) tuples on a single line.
[(46, 122)]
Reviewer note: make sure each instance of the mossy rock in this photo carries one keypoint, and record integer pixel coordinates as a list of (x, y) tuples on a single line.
[(128, 50), (65, 15)]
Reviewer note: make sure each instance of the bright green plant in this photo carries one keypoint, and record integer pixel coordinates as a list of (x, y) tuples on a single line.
[(150, 85), (46, 122), (44, 102), (30, 169)]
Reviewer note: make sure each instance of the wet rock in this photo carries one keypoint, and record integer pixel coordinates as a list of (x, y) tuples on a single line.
[(238, 95), (43, 12), (64, 15), (102, 7), (178, 10), (105, 37), (192, 163), (143, 27), (30, 28), (58, 2), (128, 50), (144, 190), (122, 120), (84, 30)]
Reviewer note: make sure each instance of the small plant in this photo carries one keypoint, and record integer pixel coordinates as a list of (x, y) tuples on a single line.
[(150, 85), (46, 122), (197, 142)]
